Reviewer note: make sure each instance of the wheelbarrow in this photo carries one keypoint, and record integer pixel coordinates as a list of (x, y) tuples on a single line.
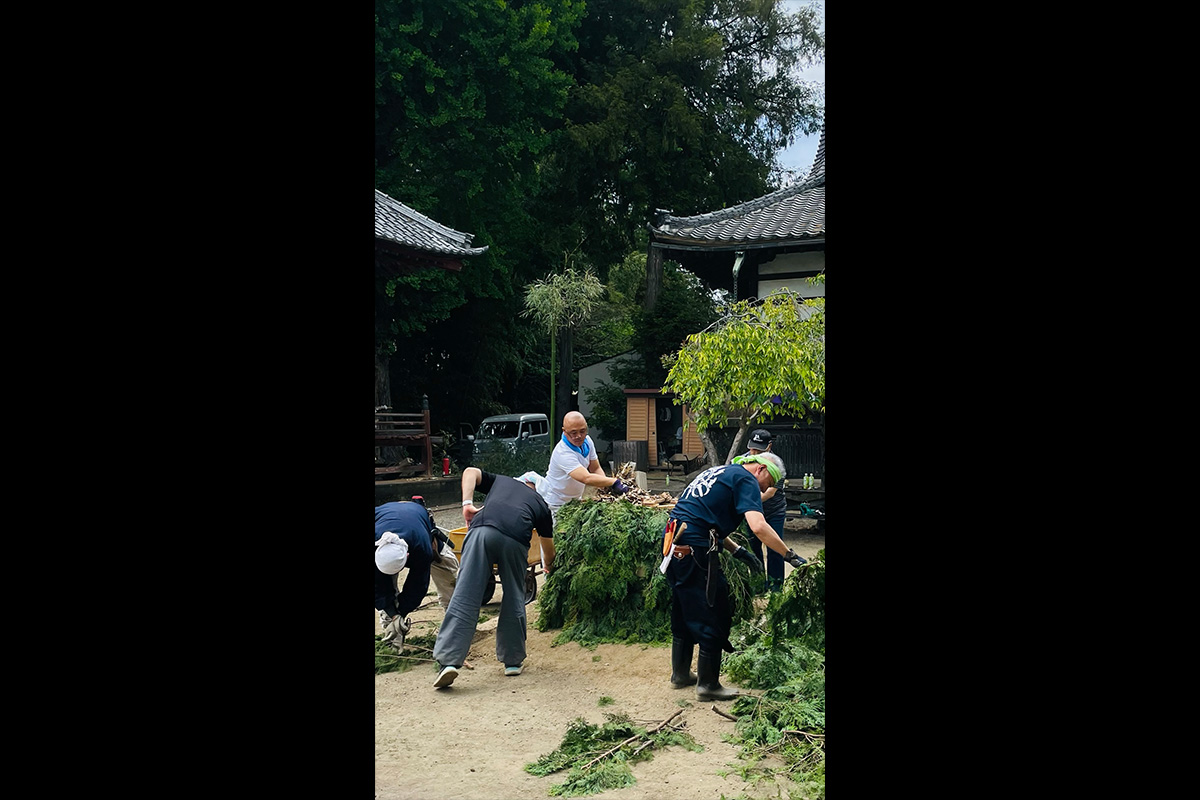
[(458, 535)]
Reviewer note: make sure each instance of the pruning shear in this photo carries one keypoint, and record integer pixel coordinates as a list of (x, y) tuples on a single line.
[(670, 534)]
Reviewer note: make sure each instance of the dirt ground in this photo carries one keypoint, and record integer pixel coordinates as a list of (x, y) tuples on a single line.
[(472, 740)]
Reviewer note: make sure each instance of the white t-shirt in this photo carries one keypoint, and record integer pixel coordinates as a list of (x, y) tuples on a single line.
[(558, 487)]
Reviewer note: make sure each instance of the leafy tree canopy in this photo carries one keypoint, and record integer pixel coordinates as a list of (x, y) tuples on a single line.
[(762, 359), (681, 105), (543, 127)]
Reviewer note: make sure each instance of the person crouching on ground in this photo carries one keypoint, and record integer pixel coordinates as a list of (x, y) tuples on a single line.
[(404, 536), (708, 510), (500, 533)]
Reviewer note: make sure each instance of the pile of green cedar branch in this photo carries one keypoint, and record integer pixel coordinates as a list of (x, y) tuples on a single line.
[(606, 587), (598, 756), (782, 653), (417, 649), (779, 663)]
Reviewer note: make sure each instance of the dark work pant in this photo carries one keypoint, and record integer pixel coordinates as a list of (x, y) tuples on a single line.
[(691, 618), (385, 592)]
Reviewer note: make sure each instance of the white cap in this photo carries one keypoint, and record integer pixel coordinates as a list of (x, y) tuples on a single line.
[(531, 477), (391, 553)]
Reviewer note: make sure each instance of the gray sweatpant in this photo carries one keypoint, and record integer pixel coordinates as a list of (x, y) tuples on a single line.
[(483, 547)]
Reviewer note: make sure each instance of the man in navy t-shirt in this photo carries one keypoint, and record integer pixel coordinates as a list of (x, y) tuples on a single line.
[(710, 508)]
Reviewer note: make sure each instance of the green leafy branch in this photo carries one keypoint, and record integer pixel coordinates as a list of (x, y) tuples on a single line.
[(598, 756)]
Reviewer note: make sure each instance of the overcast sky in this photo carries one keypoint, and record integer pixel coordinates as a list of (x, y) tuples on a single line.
[(799, 157)]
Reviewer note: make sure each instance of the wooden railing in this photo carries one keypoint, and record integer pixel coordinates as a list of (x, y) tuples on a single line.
[(406, 429)]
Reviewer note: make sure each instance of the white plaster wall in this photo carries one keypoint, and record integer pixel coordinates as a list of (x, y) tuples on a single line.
[(791, 262), (794, 262), (800, 286)]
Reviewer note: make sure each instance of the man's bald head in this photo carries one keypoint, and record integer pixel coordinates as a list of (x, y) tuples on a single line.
[(575, 428)]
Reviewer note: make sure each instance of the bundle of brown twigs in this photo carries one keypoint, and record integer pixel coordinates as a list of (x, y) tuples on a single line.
[(635, 495)]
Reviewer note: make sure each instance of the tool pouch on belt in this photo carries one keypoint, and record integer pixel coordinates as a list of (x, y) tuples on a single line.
[(714, 567), (669, 536)]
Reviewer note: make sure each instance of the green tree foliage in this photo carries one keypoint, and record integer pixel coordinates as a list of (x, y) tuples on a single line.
[(781, 652), (469, 375), (762, 359), (561, 304), (682, 105), (611, 329), (467, 100), (685, 306), (467, 95), (549, 127)]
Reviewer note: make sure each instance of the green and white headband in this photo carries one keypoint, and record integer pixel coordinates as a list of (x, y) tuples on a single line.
[(758, 459)]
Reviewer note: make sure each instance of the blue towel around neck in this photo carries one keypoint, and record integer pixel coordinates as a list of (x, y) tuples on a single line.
[(583, 451)]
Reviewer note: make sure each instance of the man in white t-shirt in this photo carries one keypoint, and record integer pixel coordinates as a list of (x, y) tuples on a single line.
[(573, 467)]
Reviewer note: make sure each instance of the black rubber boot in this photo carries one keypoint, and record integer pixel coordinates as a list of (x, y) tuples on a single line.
[(709, 687), (681, 664)]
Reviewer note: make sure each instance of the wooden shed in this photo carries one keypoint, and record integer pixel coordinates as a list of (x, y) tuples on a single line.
[(653, 417)]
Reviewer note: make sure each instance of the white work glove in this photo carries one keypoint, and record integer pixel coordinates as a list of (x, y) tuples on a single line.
[(394, 630)]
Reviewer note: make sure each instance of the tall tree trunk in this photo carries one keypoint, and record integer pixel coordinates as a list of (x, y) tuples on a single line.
[(735, 447), (383, 397), (383, 381), (710, 449), (654, 261), (566, 353)]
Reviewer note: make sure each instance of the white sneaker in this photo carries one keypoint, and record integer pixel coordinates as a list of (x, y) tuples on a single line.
[(445, 677), (511, 671)]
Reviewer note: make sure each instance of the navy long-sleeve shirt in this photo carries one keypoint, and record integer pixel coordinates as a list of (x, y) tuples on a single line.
[(412, 523)]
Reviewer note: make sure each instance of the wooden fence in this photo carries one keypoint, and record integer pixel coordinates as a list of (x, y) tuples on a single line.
[(406, 429)]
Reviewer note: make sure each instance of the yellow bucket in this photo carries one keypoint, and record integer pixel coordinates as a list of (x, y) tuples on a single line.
[(458, 535)]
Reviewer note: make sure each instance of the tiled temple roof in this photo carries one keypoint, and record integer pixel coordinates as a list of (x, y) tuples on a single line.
[(399, 224), (795, 212)]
